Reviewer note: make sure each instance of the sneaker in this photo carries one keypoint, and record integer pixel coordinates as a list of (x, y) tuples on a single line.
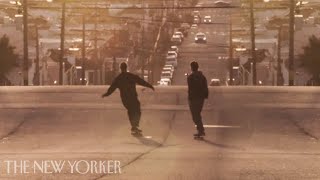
[(136, 130)]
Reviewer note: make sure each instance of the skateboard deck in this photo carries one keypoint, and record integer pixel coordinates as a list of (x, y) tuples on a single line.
[(198, 138), (140, 135)]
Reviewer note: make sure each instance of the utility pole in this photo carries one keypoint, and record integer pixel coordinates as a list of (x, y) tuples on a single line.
[(291, 43), (83, 49), (279, 73), (96, 42), (230, 53), (63, 16), (253, 45), (142, 42), (25, 44), (37, 73)]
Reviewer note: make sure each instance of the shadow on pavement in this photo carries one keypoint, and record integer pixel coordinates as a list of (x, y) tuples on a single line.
[(149, 142), (223, 145)]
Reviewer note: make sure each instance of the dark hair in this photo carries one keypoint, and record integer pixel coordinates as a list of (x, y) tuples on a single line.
[(123, 66), (194, 66)]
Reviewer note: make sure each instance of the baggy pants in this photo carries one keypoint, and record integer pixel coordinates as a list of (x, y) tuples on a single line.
[(134, 111), (196, 106)]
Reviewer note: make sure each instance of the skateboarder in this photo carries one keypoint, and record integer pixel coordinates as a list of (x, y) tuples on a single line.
[(126, 82), (197, 93)]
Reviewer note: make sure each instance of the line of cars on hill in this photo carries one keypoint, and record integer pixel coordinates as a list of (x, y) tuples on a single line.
[(171, 61), (171, 64)]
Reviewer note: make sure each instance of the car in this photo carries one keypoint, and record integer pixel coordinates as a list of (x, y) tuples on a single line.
[(176, 40), (167, 69), (183, 30), (196, 19), (175, 49), (164, 82), (166, 74), (200, 38), (207, 19), (196, 13), (194, 26), (169, 66), (185, 26), (172, 61), (215, 82), (172, 53), (179, 33), (222, 4)]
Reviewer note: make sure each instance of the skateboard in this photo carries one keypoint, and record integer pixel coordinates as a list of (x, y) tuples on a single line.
[(198, 137), (140, 135)]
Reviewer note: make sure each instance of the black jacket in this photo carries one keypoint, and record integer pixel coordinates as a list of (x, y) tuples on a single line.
[(126, 82), (197, 86)]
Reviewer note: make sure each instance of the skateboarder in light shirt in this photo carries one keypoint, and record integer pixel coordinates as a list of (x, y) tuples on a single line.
[(126, 82), (197, 93)]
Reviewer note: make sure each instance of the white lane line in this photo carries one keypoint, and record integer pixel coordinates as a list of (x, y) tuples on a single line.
[(219, 126)]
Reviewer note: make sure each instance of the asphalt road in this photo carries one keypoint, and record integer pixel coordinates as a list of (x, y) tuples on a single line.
[(252, 133)]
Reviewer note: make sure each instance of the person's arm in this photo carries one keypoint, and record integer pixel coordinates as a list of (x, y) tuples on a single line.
[(206, 90), (189, 86), (142, 82), (111, 89)]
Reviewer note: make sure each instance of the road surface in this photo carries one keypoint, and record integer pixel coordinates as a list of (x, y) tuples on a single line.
[(252, 133)]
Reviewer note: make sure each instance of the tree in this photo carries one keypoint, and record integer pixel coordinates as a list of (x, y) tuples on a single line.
[(8, 58), (310, 59)]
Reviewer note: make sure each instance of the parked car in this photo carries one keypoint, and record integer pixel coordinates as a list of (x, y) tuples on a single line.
[(185, 26), (196, 13), (196, 19), (178, 33), (176, 40), (175, 49), (164, 82), (172, 61), (166, 74), (215, 82), (200, 38), (169, 66), (183, 30), (168, 69), (172, 53)]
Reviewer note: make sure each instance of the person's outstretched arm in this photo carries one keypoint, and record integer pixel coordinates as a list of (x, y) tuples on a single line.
[(142, 82), (206, 90), (111, 89)]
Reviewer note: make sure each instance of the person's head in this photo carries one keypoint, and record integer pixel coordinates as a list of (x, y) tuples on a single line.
[(194, 66), (123, 67)]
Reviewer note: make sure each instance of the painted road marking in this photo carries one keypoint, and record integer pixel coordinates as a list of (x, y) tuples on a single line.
[(220, 126)]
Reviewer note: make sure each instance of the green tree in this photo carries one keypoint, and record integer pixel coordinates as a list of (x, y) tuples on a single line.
[(310, 59), (8, 57)]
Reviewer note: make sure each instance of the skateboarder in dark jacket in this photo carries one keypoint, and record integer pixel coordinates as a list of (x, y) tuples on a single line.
[(197, 93), (126, 82)]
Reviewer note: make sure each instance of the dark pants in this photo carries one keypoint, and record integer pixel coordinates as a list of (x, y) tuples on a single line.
[(196, 106), (134, 111)]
